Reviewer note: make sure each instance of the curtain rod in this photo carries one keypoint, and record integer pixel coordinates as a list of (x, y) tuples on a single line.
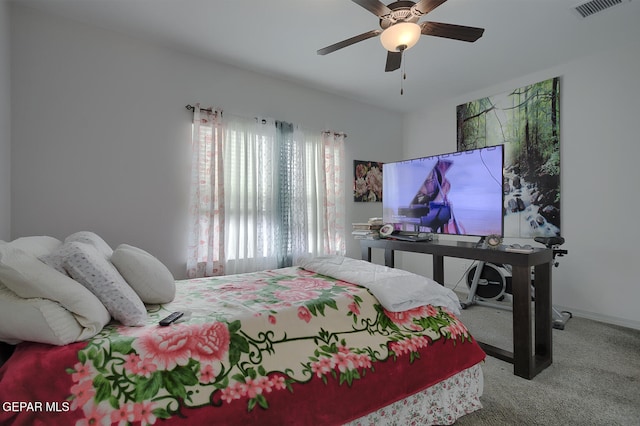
[(331, 132), (191, 108)]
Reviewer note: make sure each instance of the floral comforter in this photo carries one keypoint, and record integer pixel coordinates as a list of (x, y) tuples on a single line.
[(287, 346)]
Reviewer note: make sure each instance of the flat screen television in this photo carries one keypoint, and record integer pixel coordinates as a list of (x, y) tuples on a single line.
[(457, 193)]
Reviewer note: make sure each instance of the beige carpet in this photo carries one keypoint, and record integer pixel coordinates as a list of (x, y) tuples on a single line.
[(594, 378)]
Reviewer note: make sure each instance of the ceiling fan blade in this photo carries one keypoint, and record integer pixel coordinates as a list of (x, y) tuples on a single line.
[(455, 32), (394, 60), (348, 42), (374, 6), (426, 6)]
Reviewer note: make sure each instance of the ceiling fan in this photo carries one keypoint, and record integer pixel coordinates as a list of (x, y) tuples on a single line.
[(400, 29)]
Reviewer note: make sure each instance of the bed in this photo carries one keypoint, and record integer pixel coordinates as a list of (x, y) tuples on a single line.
[(297, 345)]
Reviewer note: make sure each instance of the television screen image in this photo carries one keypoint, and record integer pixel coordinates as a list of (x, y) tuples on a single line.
[(457, 193)]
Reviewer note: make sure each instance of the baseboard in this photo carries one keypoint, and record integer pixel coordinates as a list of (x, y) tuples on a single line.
[(463, 292), (607, 319)]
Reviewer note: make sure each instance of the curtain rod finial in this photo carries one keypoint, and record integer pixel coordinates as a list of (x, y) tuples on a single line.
[(192, 108)]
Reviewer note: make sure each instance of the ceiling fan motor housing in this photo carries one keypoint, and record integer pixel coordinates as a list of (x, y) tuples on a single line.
[(401, 11)]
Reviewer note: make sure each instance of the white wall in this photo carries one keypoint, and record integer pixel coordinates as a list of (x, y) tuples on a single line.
[(5, 125), (600, 150), (101, 131)]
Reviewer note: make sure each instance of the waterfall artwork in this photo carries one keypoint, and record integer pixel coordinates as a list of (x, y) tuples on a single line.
[(527, 122)]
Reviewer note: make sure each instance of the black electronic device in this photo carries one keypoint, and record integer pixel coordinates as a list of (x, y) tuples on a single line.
[(458, 193), (171, 318), (411, 236)]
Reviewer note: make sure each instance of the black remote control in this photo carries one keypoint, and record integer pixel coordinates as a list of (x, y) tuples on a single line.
[(171, 318)]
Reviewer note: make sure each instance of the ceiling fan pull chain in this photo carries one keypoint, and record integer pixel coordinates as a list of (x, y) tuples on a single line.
[(403, 74)]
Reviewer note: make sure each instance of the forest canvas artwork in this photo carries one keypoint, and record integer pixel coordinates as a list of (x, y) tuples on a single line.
[(367, 181), (527, 122)]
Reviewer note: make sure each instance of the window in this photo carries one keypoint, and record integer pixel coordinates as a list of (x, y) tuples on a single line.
[(263, 193)]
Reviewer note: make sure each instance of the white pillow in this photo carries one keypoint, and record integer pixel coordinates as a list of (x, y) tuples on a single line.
[(37, 320), (29, 278), (37, 245), (148, 277), (88, 266), (92, 239)]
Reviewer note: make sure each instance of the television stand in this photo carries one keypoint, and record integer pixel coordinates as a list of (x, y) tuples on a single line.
[(532, 347)]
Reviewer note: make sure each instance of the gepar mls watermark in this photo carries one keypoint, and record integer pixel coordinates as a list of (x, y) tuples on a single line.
[(36, 406)]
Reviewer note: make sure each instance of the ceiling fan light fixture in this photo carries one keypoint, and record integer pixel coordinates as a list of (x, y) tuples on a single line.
[(400, 36)]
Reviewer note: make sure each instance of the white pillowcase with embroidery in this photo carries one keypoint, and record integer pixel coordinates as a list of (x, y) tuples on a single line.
[(88, 266)]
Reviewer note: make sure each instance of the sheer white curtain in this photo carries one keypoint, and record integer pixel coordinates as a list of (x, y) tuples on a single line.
[(251, 203), (205, 255), (281, 195), (334, 197), (313, 199)]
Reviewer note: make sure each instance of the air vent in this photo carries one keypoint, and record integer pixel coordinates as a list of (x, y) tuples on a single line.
[(594, 6)]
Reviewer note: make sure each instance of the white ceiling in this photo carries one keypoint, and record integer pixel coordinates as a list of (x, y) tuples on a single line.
[(280, 38)]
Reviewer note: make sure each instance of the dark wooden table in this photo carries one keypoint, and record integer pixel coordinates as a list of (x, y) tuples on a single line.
[(532, 346)]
